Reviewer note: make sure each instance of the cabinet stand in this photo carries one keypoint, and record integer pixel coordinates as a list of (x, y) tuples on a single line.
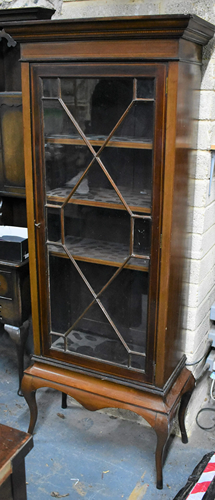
[(94, 394)]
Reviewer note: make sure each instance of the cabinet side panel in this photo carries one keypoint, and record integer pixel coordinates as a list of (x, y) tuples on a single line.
[(186, 140), (30, 203), (167, 222), (177, 214)]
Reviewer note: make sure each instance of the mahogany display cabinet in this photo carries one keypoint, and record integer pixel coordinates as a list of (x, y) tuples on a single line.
[(110, 109), (12, 173)]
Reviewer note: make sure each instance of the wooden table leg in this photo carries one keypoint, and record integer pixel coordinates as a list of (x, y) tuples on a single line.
[(18, 482), (14, 446)]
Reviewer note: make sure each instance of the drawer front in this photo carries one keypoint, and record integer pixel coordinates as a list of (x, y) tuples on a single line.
[(10, 312), (6, 284)]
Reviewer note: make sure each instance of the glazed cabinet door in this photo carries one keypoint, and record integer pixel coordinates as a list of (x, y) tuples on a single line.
[(98, 140)]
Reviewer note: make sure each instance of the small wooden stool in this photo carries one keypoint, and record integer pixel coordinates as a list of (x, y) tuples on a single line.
[(14, 446)]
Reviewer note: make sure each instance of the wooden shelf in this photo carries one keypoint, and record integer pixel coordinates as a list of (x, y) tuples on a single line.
[(99, 252), (98, 346), (113, 143), (104, 198)]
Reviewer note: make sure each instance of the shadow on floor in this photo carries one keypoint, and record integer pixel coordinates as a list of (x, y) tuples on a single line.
[(92, 455)]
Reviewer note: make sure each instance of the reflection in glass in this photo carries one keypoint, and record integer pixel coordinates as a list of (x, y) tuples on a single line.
[(53, 224), (97, 233), (142, 236), (97, 335), (68, 294), (137, 124), (54, 157), (77, 95), (110, 99), (97, 227), (64, 167), (125, 303), (51, 87), (145, 88), (130, 170), (138, 362), (56, 121), (94, 346), (97, 105)]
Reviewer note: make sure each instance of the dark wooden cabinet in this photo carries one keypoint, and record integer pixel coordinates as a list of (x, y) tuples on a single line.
[(15, 306), (109, 108), (12, 172), (14, 293), (102, 157), (12, 158)]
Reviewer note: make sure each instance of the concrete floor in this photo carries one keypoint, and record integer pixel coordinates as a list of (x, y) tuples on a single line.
[(92, 455)]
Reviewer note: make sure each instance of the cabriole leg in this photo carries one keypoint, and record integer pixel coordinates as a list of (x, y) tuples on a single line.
[(181, 415), (29, 394), (161, 429), (187, 393)]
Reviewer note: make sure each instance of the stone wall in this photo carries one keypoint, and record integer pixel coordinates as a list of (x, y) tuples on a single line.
[(12, 4)]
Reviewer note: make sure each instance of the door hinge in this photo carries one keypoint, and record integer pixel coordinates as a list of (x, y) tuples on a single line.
[(161, 237), (166, 84)]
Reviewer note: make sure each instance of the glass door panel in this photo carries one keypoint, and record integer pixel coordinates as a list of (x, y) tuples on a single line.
[(100, 235), (129, 169), (137, 125), (65, 164), (109, 325), (98, 165), (107, 121)]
